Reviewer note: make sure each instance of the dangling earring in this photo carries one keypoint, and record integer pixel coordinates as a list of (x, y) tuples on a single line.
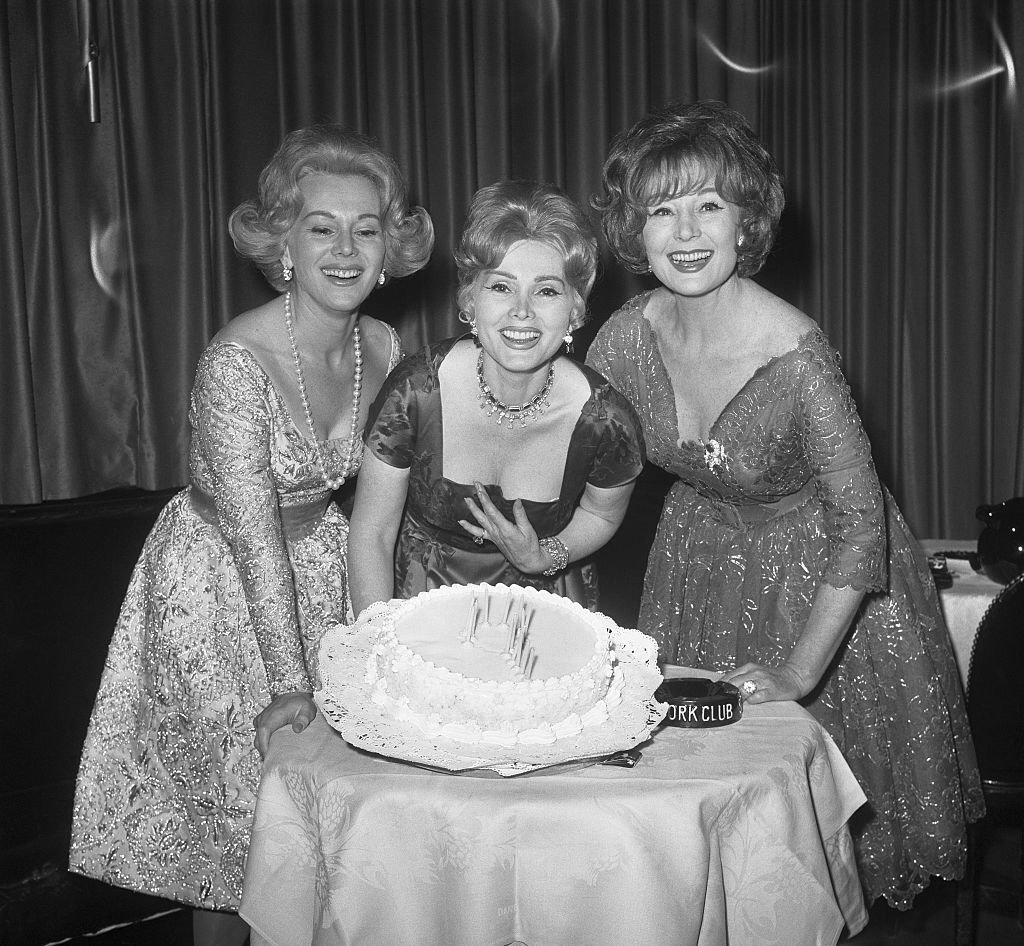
[(473, 330), (567, 338), (380, 278), (286, 272), (649, 268)]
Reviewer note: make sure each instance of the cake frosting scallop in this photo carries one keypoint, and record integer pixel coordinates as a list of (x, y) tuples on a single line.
[(494, 665)]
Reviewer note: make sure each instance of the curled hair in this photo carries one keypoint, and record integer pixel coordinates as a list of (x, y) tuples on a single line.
[(675, 151), (259, 226), (503, 214)]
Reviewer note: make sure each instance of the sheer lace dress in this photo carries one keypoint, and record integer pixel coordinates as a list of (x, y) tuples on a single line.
[(782, 497)]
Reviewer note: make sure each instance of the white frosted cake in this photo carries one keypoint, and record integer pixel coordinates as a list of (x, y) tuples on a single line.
[(493, 665)]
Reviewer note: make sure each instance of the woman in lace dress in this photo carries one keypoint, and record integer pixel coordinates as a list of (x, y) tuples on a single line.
[(244, 565), (492, 457), (779, 557)]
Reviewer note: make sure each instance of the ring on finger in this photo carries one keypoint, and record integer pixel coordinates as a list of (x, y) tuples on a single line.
[(479, 539), (749, 687)]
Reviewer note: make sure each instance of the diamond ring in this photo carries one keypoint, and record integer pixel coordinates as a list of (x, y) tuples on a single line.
[(479, 539), (749, 687)]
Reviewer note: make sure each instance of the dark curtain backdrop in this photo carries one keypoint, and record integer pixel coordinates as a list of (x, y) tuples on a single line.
[(897, 123)]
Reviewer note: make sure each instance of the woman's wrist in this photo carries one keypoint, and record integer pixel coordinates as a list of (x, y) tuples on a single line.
[(803, 678), (557, 552)]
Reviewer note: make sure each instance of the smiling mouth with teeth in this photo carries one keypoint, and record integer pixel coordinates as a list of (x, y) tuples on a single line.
[(343, 273), (695, 256), (520, 335)]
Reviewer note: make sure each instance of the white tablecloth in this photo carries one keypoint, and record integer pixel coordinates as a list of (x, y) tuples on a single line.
[(735, 835), (966, 601)]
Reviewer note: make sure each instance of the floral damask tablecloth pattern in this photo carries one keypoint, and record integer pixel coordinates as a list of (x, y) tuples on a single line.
[(735, 835)]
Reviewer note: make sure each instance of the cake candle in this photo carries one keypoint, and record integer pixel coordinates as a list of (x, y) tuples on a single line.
[(469, 631)]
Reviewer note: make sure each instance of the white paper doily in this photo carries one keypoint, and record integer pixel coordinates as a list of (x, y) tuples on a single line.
[(345, 702)]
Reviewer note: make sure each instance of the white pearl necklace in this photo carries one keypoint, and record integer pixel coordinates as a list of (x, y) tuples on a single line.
[(332, 483)]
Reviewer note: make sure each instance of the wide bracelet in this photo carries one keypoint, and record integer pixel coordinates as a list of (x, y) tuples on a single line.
[(556, 548)]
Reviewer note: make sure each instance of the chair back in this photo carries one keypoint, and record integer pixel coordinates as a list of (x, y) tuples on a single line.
[(995, 688)]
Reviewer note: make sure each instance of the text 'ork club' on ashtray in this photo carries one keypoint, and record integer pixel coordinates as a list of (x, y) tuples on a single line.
[(699, 703)]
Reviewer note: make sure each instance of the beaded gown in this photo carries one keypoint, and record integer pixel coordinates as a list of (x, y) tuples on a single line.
[(782, 498), (239, 574), (406, 430)]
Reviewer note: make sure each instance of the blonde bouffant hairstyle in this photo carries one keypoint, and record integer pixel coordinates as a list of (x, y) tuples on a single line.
[(260, 225)]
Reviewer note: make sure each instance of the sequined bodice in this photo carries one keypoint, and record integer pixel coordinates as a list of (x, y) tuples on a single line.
[(792, 427)]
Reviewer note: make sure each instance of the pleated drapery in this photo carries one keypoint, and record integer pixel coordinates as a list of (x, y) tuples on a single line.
[(897, 124)]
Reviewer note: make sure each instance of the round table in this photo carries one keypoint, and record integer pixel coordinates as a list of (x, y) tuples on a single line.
[(731, 835)]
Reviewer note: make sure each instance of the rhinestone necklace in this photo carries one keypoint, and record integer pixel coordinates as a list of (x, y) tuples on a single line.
[(332, 483), (523, 413)]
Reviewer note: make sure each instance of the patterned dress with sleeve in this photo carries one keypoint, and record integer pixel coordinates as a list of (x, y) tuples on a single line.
[(405, 430), (781, 498), (239, 573)]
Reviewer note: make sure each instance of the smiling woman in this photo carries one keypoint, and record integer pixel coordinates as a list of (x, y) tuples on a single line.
[(492, 457), (673, 222), (780, 559), (244, 566)]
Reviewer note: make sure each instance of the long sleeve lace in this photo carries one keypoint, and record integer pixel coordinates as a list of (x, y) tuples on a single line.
[(232, 430), (839, 455)]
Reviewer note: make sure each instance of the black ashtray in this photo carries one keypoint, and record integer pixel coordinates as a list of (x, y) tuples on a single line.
[(699, 702)]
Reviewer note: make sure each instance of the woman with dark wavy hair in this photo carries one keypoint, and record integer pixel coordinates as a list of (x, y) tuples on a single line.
[(493, 457), (779, 557), (216, 645)]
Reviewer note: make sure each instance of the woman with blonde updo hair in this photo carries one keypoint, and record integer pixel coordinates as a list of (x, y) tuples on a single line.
[(216, 645), (493, 457)]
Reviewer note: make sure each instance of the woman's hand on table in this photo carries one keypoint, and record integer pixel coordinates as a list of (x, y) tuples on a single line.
[(295, 709), (516, 540), (760, 684)]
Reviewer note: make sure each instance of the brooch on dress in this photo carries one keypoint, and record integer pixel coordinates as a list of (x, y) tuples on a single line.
[(714, 456)]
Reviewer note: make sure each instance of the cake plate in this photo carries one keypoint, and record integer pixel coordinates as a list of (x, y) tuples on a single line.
[(345, 702)]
